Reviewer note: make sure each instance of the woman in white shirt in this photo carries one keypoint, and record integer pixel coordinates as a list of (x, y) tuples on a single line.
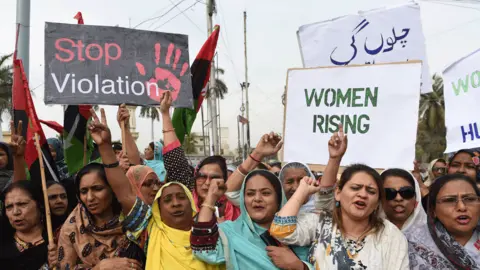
[(349, 233)]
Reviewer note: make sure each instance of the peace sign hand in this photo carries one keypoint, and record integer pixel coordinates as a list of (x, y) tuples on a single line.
[(337, 145), (99, 130), (17, 143)]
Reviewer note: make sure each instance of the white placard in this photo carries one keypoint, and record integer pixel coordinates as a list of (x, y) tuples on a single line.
[(378, 36), (377, 104), (461, 90)]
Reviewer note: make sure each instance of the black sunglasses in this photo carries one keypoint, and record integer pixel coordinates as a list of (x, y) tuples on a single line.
[(406, 193)]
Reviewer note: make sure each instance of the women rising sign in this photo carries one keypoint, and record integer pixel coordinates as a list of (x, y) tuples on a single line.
[(87, 64)]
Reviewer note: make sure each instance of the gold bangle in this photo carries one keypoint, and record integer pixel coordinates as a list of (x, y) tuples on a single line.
[(168, 130), (209, 206)]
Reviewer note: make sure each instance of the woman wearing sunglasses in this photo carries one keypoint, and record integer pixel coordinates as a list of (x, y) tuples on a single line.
[(402, 203), (451, 237)]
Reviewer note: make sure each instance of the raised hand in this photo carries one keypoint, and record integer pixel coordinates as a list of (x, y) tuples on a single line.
[(337, 146), (123, 115), (166, 102), (309, 185), (124, 161), (17, 142), (216, 190), (52, 255), (99, 129), (268, 145)]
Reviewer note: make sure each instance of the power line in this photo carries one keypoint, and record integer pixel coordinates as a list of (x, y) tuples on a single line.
[(159, 17), (196, 2), (186, 16)]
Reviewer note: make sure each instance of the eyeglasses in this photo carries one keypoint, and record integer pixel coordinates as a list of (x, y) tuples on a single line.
[(405, 192), (152, 183), (441, 170), (453, 200), (203, 177)]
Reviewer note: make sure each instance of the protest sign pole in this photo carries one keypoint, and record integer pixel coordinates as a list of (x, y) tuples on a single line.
[(122, 126), (44, 188), (85, 149)]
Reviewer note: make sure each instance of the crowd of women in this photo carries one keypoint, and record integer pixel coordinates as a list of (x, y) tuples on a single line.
[(154, 211)]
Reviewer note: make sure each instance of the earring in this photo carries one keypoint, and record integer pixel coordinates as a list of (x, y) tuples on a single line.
[(337, 204)]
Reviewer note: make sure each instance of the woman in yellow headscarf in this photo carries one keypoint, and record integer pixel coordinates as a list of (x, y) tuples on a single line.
[(169, 231)]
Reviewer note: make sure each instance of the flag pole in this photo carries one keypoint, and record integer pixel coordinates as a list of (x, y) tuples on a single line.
[(45, 194)]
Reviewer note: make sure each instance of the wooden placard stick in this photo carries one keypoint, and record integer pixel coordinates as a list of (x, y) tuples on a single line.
[(44, 188)]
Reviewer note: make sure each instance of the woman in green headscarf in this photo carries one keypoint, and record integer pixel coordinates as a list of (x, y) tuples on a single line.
[(245, 242)]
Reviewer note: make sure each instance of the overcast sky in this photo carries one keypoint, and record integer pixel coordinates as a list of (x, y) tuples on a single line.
[(451, 31)]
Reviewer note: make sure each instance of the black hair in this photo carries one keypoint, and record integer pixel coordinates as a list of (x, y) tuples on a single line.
[(117, 146), (398, 173), (100, 171), (261, 166), (152, 145), (460, 152), (219, 160), (6, 148), (442, 181), (374, 220), (35, 193), (51, 183), (272, 179)]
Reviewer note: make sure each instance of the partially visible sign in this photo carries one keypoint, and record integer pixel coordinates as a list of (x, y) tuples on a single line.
[(376, 104), (377, 36), (86, 64), (461, 90)]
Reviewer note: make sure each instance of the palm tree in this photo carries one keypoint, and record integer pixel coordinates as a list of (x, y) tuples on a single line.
[(431, 130), (220, 88), (152, 113), (6, 83), (432, 105), (189, 144)]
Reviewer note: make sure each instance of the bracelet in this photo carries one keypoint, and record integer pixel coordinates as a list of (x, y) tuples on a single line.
[(168, 130), (110, 166), (242, 171), (254, 159), (209, 206)]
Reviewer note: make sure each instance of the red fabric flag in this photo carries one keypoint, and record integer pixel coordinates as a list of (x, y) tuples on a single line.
[(53, 125), (24, 110)]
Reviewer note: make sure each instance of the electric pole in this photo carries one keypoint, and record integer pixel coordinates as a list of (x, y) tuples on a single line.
[(212, 104), (23, 42), (246, 84)]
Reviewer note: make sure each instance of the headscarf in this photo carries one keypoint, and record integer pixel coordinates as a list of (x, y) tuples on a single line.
[(431, 177), (137, 175), (59, 160), (7, 172), (418, 217), (432, 247), (157, 163), (88, 242), (169, 248), (309, 206), (241, 238)]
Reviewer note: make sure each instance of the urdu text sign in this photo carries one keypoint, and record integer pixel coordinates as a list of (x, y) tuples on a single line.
[(377, 105), (379, 36)]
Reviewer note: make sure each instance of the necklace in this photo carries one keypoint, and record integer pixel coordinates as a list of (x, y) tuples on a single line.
[(23, 245)]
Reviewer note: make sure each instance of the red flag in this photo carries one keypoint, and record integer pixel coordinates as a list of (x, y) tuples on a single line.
[(242, 120), (53, 125), (24, 110), (79, 17), (201, 67)]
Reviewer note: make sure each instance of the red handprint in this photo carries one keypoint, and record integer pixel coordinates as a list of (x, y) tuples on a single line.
[(164, 80)]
